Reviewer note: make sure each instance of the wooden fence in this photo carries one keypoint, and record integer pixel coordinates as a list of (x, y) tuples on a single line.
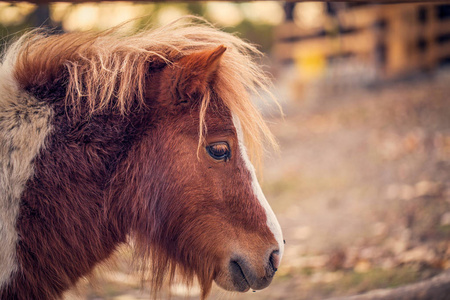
[(398, 39)]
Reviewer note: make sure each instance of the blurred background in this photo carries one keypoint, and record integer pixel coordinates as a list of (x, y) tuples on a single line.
[(361, 185)]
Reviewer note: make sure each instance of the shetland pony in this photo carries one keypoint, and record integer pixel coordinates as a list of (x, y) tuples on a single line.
[(108, 139)]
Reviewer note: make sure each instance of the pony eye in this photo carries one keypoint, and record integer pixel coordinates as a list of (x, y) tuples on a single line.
[(219, 151)]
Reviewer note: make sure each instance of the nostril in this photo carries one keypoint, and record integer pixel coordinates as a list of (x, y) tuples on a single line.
[(274, 260)]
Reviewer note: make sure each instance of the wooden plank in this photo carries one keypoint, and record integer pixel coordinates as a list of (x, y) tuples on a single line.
[(360, 17), (442, 27), (290, 30), (430, 36), (400, 40), (360, 43), (354, 18), (443, 51)]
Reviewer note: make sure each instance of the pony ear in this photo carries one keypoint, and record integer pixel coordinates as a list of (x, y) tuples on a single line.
[(193, 73)]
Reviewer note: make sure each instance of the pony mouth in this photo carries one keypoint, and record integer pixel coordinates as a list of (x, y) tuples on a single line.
[(243, 277), (240, 281)]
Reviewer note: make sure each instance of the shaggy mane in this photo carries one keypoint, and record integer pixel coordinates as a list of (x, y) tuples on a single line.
[(108, 69)]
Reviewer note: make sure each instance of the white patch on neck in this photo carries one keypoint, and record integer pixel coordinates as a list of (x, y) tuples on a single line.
[(24, 126), (272, 221)]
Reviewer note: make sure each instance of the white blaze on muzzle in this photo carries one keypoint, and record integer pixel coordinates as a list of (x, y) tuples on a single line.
[(272, 221)]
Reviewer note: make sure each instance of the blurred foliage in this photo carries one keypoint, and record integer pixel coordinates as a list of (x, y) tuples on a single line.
[(252, 23), (256, 33), (14, 20)]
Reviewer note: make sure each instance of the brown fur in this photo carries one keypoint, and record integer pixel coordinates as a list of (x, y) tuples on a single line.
[(126, 158)]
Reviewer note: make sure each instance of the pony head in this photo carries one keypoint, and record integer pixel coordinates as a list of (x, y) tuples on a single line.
[(152, 142), (196, 185)]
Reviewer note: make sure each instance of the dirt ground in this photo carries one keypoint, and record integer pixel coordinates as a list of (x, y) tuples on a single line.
[(361, 188)]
